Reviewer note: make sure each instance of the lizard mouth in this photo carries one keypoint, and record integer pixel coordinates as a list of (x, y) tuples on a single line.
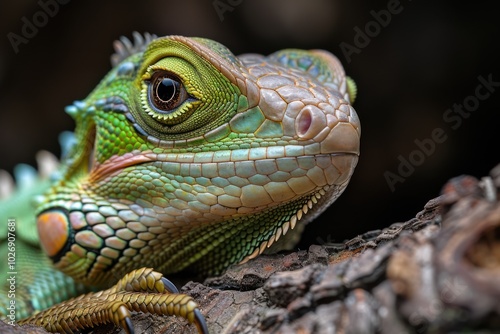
[(98, 171), (117, 163)]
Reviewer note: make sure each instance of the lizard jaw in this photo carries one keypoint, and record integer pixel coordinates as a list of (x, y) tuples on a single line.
[(290, 224), (317, 201)]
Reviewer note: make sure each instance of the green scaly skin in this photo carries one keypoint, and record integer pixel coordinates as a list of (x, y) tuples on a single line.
[(188, 158)]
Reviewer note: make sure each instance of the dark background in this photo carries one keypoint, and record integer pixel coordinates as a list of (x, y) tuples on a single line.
[(425, 60)]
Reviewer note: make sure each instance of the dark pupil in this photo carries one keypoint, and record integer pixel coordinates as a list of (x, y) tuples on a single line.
[(166, 89)]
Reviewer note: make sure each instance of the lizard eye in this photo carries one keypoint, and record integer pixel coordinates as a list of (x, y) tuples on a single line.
[(166, 92), (166, 95)]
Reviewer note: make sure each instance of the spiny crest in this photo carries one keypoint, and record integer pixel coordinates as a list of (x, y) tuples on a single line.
[(25, 176), (125, 47)]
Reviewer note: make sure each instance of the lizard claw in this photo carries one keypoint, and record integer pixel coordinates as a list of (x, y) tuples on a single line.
[(142, 290), (128, 326), (169, 285), (200, 322)]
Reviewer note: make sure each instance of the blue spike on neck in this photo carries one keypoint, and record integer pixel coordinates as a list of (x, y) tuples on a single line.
[(79, 106), (71, 110)]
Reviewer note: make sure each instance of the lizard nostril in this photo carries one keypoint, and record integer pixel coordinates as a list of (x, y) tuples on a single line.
[(304, 121), (310, 122)]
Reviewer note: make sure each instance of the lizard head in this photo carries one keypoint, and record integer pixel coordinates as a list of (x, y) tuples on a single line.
[(189, 157)]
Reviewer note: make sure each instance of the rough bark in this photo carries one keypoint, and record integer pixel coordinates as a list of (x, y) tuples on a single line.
[(438, 272)]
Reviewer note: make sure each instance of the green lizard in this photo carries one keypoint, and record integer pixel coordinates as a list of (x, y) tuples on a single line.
[(184, 157)]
